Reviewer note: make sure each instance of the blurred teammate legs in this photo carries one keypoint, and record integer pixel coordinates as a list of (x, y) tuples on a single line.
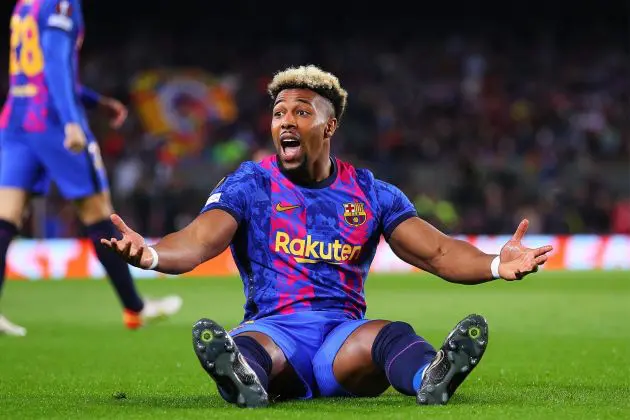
[(94, 212), (81, 178), (13, 203), (27, 165)]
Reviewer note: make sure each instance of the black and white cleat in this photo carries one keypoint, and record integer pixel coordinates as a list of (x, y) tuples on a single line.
[(461, 352), (221, 359)]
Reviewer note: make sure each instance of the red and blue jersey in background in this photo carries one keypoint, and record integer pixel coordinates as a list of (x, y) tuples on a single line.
[(44, 95), (44, 92), (307, 247)]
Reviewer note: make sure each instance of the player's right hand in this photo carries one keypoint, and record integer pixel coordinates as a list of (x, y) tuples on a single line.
[(131, 247), (75, 140), (516, 260)]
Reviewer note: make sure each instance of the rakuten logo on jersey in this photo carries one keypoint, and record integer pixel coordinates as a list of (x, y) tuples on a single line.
[(308, 251)]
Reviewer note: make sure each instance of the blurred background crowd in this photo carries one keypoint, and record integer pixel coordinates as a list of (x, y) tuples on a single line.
[(481, 117)]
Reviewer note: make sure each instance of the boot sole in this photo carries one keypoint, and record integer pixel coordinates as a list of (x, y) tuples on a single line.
[(463, 347), (218, 355)]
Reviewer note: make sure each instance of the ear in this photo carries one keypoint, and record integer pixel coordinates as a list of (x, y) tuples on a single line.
[(331, 127)]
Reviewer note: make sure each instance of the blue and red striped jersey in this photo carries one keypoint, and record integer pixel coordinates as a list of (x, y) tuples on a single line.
[(307, 248), (44, 89)]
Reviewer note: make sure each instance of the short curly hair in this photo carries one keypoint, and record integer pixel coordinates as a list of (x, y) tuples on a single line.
[(313, 78)]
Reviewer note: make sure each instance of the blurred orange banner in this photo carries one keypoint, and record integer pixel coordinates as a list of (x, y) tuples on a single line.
[(58, 259)]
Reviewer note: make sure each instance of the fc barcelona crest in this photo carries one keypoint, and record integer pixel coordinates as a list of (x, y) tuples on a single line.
[(354, 214)]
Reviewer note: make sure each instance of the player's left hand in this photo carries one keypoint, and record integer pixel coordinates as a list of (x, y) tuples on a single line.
[(116, 110), (517, 261)]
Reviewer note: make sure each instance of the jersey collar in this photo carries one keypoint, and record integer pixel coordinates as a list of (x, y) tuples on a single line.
[(314, 185)]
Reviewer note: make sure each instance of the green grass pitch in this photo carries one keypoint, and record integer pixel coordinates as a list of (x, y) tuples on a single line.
[(559, 348)]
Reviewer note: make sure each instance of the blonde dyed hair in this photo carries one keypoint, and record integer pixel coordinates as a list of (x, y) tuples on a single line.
[(313, 78)]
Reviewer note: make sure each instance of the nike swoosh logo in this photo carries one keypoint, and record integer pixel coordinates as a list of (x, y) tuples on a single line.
[(280, 207)]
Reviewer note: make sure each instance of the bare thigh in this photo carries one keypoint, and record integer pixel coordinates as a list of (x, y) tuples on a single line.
[(94, 208), (353, 367), (13, 201)]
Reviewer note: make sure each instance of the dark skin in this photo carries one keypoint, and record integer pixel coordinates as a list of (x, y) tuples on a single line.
[(303, 115)]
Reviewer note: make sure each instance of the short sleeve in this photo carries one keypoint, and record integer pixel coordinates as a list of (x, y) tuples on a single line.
[(394, 206), (232, 194), (60, 14)]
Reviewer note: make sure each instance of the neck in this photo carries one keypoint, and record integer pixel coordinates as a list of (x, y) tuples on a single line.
[(311, 172), (320, 169)]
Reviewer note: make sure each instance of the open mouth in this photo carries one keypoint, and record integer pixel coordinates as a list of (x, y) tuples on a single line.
[(291, 148)]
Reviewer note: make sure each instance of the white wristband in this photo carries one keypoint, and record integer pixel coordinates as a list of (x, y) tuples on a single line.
[(154, 254), (494, 267)]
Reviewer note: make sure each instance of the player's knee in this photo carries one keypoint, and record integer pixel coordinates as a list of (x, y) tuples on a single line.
[(388, 335), (13, 204), (364, 336), (353, 367), (361, 341), (94, 208), (13, 218)]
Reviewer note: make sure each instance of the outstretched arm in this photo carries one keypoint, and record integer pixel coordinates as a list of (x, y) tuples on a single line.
[(113, 108), (422, 245), (204, 238)]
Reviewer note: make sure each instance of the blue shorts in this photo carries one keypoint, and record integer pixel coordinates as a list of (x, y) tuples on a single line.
[(310, 341), (29, 161)]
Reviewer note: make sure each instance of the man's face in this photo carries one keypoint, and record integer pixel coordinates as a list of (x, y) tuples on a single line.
[(302, 122)]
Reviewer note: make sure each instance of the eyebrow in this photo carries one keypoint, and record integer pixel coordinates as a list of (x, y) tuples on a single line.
[(298, 100)]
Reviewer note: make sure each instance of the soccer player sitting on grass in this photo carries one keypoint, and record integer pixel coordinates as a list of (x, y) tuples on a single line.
[(303, 227)]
